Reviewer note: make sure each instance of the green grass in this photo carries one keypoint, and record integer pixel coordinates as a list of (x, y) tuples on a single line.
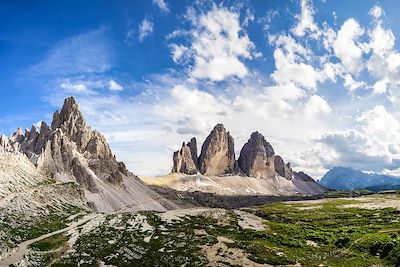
[(50, 243), (306, 233), (344, 236)]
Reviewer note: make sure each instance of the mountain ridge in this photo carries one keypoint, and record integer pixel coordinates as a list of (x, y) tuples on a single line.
[(346, 178)]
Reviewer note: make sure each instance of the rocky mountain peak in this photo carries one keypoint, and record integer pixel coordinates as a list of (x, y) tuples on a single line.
[(71, 151), (257, 157), (185, 159), (70, 116), (217, 153), (282, 168), (17, 136)]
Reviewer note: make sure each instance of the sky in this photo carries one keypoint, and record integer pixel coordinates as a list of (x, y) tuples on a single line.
[(319, 79)]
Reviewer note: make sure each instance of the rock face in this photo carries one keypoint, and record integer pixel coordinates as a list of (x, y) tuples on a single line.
[(257, 157), (217, 153), (185, 159), (75, 151), (283, 169), (72, 151)]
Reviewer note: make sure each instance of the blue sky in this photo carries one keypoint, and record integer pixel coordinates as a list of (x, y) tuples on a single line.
[(319, 79)]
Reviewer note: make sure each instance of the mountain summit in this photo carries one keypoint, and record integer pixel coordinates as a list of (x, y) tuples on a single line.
[(72, 151)]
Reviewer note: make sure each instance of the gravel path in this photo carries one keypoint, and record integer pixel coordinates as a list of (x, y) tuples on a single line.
[(23, 249)]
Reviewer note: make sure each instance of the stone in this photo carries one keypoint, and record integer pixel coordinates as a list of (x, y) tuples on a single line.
[(283, 169), (257, 157), (185, 159), (303, 177), (192, 144), (217, 155)]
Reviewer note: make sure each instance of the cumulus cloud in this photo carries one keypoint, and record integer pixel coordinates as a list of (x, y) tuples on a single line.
[(351, 84), (316, 106), (371, 146), (384, 62), (218, 44), (346, 47), (287, 70), (306, 21), (380, 87), (162, 5), (145, 29)]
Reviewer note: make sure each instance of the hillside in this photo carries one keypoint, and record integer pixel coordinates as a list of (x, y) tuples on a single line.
[(237, 185)]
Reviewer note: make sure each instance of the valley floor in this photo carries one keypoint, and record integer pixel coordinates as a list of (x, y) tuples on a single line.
[(362, 231)]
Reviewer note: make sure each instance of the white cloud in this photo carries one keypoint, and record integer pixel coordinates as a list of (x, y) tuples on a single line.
[(380, 124), (380, 87), (145, 29), (178, 52), (372, 146), (351, 84), (384, 62), (316, 106), (346, 47), (376, 12), (114, 86), (162, 5), (218, 45), (74, 87), (281, 98), (249, 17), (289, 71), (306, 21)]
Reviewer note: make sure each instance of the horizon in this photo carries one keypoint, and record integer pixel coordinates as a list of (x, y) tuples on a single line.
[(318, 81)]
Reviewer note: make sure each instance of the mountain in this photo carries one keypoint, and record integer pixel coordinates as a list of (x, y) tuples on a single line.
[(71, 151), (258, 171), (344, 178)]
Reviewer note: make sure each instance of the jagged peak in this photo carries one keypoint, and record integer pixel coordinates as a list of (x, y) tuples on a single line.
[(219, 127), (69, 116), (17, 135), (44, 126), (34, 129)]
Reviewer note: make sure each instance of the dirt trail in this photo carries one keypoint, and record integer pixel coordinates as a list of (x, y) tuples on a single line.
[(22, 248)]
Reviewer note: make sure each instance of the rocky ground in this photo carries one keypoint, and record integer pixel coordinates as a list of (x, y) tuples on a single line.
[(362, 231), (230, 185)]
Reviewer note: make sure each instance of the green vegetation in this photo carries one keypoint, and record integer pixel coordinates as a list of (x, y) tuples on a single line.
[(17, 227), (50, 243), (331, 232)]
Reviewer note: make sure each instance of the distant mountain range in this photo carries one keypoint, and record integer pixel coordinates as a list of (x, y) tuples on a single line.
[(344, 178)]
